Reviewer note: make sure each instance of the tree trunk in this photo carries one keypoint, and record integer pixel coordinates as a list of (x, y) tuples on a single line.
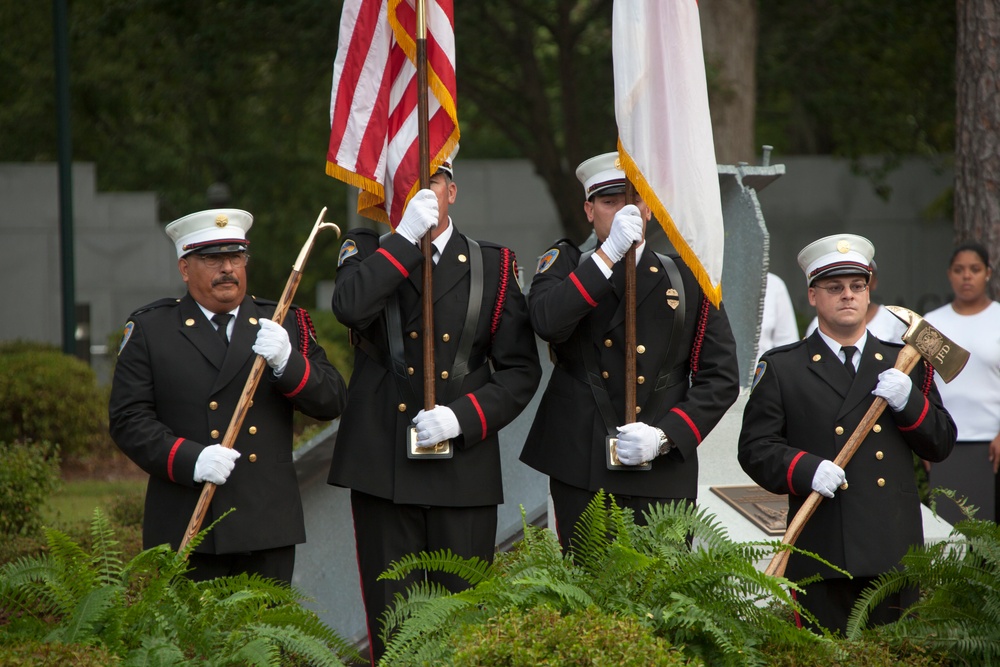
[(977, 127), (729, 36)]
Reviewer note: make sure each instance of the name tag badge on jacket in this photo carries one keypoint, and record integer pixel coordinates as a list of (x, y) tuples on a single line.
[(126, 334), (546, 260), (758, 374), (349, 248)]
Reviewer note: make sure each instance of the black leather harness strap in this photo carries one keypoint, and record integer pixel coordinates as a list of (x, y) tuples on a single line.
[(396, 361)]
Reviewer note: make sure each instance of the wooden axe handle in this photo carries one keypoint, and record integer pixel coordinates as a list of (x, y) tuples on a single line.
[(907, 359)]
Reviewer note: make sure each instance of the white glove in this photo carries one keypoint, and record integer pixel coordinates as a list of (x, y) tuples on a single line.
[(828, 478), (420, 215), (638, 443), (273, 344), (894, 386), (436, 425), (626, 229), (214, 464)]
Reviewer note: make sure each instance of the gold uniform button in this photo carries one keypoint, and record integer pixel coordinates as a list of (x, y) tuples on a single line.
[(409, 370), (641, 349), (839, 430), (653, 269), (463, 258), (843, 487), (607, 342), (252, 430), (213, 406), (604, 374), (638, 409), (444, 375), (881, 481), (879, 455), (253, 320), (251, 403), (214, 433), (817, 357), (640, 379), (446, 337), (878, 355), (413, 334), (877, 428), (402, 407), (252, 458), (189, 322)]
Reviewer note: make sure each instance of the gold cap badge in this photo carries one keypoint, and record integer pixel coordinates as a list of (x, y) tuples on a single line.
[(221, 220), (843, 246)]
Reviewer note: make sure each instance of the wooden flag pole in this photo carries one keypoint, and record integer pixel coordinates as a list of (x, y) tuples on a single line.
[(423, 145), (630, 335)]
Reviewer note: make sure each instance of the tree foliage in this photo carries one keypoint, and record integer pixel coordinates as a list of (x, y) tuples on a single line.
[(173, 97)]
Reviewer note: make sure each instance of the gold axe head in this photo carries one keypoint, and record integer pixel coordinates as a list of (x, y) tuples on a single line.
[(947, 357)]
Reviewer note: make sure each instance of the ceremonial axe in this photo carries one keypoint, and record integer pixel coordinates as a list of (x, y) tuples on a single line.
[(923, 341)]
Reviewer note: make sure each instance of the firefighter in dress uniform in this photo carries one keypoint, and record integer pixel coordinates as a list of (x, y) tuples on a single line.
[(486, 366), (686, 363), (182, 365), (807, 399)]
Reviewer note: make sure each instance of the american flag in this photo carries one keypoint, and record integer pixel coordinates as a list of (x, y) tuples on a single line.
[(373, 105)]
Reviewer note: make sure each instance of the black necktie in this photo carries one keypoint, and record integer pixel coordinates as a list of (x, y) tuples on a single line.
[(849, 351), (222, 320)]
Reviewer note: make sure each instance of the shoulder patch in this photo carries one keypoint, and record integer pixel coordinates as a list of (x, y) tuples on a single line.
[(126, 334), (547, 260), (346, 250), (758, 374)]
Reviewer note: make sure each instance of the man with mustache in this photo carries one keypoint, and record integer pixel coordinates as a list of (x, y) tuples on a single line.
[(182, 365)]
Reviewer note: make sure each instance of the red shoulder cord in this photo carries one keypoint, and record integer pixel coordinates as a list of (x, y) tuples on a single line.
[(306, 329), (928, 378), (506, 259), (699, 336)]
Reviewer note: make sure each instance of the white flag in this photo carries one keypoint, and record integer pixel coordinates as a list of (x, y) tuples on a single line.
[(665, 130)]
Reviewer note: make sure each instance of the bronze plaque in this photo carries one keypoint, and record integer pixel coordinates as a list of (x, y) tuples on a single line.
[(768, 511)]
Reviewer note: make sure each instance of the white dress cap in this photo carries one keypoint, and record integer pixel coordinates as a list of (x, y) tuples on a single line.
[(215, 230), (837, 255), (601, 174)]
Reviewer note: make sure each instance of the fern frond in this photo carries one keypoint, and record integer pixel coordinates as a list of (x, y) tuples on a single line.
[(106, 558), (81, 626), (472, 570)]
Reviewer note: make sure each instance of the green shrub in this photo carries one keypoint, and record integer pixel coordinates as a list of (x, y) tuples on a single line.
[(29, 472), (47, 395), (145, 611), (34, 653), (702, 600), (544, 637)]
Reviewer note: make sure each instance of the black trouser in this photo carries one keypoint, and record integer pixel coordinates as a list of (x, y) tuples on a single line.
[(385, 532), (570, 502), (278, 563), (831, 601)]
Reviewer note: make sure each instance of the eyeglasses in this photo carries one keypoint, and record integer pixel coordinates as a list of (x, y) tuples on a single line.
[(836, 289), (237, 259)]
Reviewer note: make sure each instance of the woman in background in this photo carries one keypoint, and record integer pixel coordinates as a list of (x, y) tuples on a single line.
[(971, 320)]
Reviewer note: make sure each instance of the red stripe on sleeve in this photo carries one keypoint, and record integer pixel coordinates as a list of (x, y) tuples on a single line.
[(791, 467), (479, 409), (305, 378), (694, 429), (920, 419), (579, 286), (395, 262), (170, 458)]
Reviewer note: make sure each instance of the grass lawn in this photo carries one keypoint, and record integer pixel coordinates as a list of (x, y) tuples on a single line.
[(75, 501)]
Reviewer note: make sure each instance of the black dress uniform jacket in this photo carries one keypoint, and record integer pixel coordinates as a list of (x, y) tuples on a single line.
[(574, 307), (175, 388), (803, 408), (503, 370)]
